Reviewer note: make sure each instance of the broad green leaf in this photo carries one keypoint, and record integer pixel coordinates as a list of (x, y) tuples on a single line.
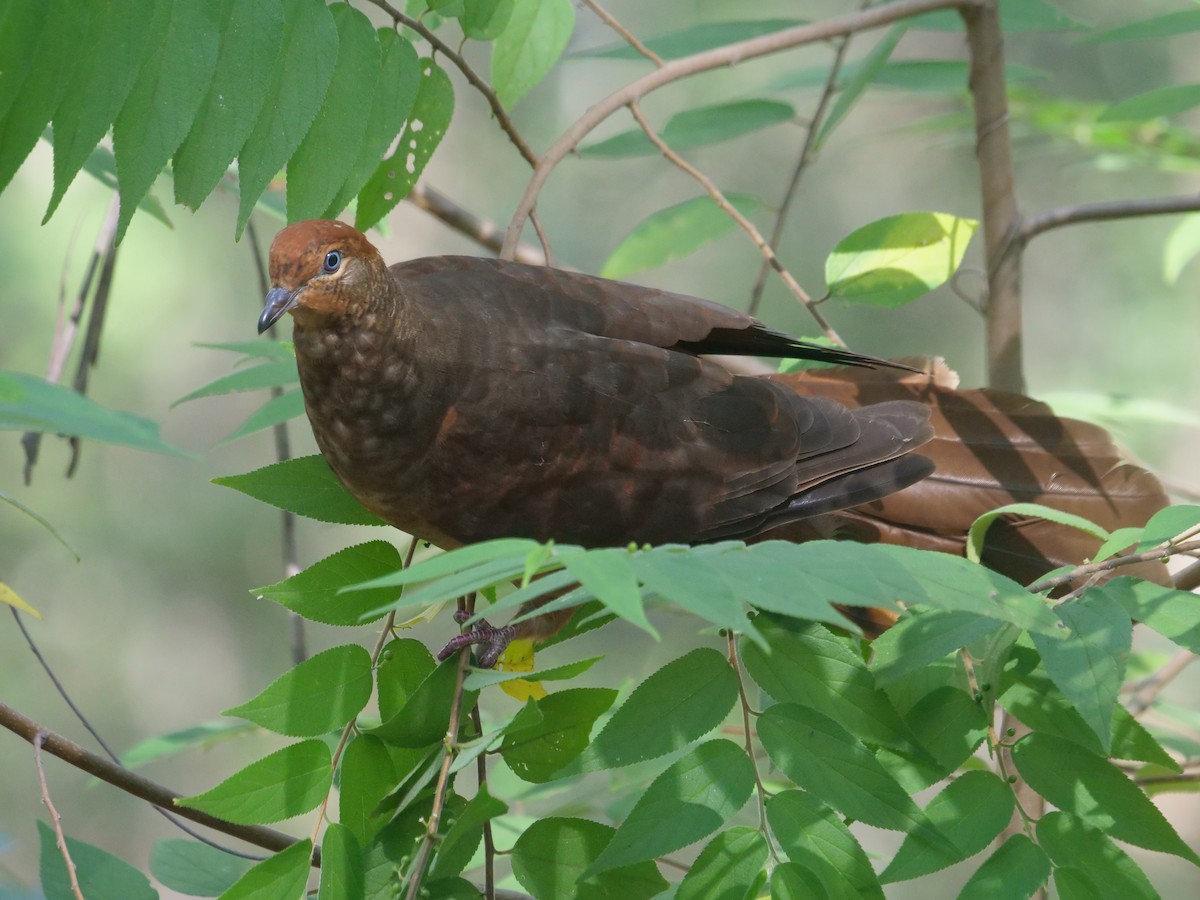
[(103, 167), (695, 796), (812, 835), (43, 56), (977, 535), (1183, 243), (251, 40), (280, 408), (536, 35), (537, 751), (680, 703), (164, 100), (425, 717), (1173, 614), (856, 84), (1160, 102), (314, 593), (342, 875), (477, 578), (1014, 872), (453, 564), (305, 486), (950, 726), (552, 853), (393, 96), (366, 776), (286, 783), (696, 39), (485, 20), (319, 166), (269, 374), (1088, 663), (922, 636), (696, 128), (198, 737), (792, 881), (1165, 25), (971, 810), (101, 875), (829, 762), (1016, 16), (297, 88), (118, 45), (728, 868), (458, 844), (11, 598), (806, 663), (1118, 541), (427, 123), (320, 694), (1097, 792), (193, 868), (482, 678), (403, 665), (609, 575), (675, 232), (1111, 874), (1168, 524), (692, 579), (898, 258), (32, 404), (283, 876), (953, 583)]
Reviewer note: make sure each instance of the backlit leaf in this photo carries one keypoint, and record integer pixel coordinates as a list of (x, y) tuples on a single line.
[(977, 535), (286, 783), (1109, 869), (485, 20), (1173, 614), (814, 836), (860, 80), (728, 868), (10, 597), (305, 486), (530, 45)]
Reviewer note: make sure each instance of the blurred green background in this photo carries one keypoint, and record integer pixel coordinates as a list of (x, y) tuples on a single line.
[(155, 628)]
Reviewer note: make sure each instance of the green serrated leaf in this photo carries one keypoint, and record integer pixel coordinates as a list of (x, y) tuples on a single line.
[(692, 579), (826, 760), (38, 63), (426, 126), (483, 678), (100, 875), (318, 168), (792, 881), (950, 726), (1097, 792), (978, 531), (342, 874), (283, 876), (970, 811), (305, 486), (815, 837), (320, 694), (425, 716), (728, 868), (193, 868), (366, 775), (609, 574), (314, 593), (1088, 663), (860, 80), (696, 128), (297, 88), (459, 843), (695, 796), (922, 636), (898, 258), (678, 704), (529, 47), (552, 853), (163, 102), (539, 750), (455, 563), (675, 232), (280, 408), (269, 374), (1013, 872), (251, 41), (393, 97), (119, 43), (32, 404), (1173, 614), (1110, 873), (1168, 524), (286, 783)]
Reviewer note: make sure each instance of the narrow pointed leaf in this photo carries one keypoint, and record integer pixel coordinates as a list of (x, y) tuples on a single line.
[(814, 836), (1111, 873), (536, 35), (977, 534), (9, 597), (609, 574), (1166, 25), (315, 592), (287, 783), (860, 80), (694, 39), (270, 374), (280, 408), (305, 486), (251, 40), (1160, 102)]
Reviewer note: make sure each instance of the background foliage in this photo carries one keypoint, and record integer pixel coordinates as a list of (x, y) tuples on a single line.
[(156, 635)]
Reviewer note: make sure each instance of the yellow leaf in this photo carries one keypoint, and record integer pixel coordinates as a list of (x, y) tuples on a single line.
[(522, 690), (9, 596), (518, 657)]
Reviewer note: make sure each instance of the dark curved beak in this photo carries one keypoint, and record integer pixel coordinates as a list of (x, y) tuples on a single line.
[(279, 301)]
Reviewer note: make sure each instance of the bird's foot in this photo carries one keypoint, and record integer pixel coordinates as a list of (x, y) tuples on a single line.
[(494, 641)]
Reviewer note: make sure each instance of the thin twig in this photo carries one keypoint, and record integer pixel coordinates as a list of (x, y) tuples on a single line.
[(1162, 551), (742, 221), (1140, 702), (502, 117), (1105, 212), (807, 152), (759, 788), (541, 236), (686, 66), (626, 35), (60, 838), (489, 843), (481, 231)]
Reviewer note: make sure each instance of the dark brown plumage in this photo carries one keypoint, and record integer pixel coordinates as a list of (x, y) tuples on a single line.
[(462, 399)]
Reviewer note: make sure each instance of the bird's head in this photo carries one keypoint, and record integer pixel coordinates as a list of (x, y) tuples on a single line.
[(321, 267)]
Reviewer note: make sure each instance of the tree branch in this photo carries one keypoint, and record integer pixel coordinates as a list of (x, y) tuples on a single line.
[(481, 231), (1105, 212)]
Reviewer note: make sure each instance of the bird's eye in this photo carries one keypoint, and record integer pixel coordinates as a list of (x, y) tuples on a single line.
[(333, 259)]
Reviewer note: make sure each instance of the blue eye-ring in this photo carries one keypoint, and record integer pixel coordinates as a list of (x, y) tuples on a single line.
[(333, 259)]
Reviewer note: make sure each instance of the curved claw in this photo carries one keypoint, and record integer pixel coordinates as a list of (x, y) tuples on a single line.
[(495, 640)]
